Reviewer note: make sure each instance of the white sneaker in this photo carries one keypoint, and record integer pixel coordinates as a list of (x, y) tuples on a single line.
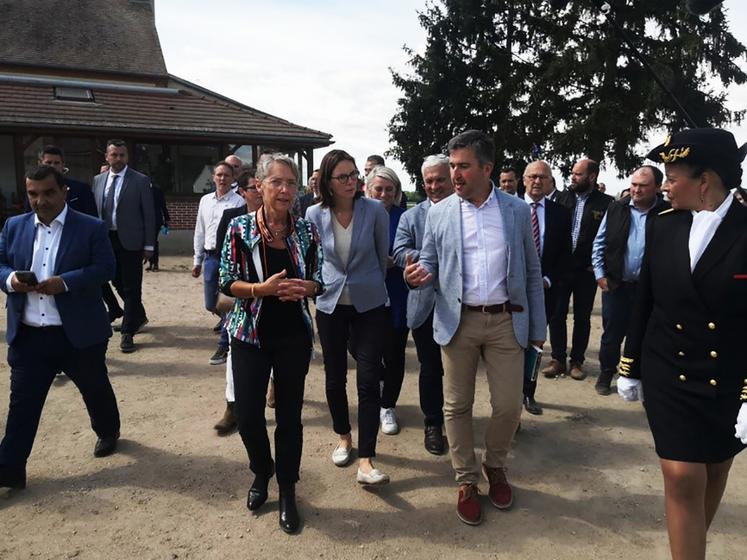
[(341, 455), (388, 420), (375, 477)]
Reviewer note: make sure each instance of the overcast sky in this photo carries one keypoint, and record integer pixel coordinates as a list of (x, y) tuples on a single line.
[(319, 63)]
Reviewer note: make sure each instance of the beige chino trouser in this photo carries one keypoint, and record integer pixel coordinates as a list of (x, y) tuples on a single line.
[(490, 336)]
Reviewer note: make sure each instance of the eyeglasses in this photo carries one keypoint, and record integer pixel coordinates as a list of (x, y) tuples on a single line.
[(344, 178), (277, 183), (536, 177), (252, 189)]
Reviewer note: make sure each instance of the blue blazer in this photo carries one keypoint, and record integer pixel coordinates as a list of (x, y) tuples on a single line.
[(85, 261), (395, 281), (408, 241), (442, 256), (365, 271)]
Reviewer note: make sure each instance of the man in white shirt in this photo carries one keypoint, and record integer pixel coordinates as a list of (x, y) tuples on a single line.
[(471, 242), (53, 262), (207, 247)]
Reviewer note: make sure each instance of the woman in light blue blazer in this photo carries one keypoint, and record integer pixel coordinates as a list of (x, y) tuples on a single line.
[(355, 240)]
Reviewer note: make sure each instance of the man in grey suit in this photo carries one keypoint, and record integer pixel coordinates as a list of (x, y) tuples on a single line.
[(125, 202), (408, 242), (479, 252)]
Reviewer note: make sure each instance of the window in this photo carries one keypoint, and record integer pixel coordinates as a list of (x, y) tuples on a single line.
[(73, 94)]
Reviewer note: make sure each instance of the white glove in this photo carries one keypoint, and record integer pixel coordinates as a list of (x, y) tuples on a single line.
[(630, 390), (741, 425)]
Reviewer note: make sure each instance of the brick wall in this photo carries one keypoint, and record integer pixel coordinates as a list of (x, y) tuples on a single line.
[(183, 213)]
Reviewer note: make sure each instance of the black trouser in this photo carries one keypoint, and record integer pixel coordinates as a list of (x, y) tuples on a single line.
[(431, 378), (367, 328), (35, 357), (128, 281), (288, 359), (110, 300), (393, 375), (153, 260), (583, 287), (616, 308), (551, 304)]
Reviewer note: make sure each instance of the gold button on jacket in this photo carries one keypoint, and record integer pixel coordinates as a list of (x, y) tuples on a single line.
[(712, 326), (683, 378), (713, 382), (714, 354)]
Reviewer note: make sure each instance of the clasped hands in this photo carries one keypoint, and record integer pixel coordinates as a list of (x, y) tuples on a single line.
[(51, 286), (286, 289)]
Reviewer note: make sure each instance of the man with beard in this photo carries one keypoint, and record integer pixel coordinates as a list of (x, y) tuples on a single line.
[(125, 202), (587, 206)]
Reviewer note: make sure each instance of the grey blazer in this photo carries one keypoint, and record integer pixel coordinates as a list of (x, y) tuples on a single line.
[(442, 256), (409, 241), (365, 271), (136, 216)]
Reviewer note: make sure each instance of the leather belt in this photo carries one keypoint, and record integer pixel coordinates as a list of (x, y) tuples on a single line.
[(211, 252), (506, 307)]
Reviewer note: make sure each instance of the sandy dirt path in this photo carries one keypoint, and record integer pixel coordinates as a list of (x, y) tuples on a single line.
[(586, 476)]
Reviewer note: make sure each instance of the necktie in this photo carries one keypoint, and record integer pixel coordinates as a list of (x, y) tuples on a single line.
[(536, 228), (109, 203)]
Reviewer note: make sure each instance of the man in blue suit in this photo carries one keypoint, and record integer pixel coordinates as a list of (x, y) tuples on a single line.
[(79, 195), (53, 262), (479, 251), (408, 242)]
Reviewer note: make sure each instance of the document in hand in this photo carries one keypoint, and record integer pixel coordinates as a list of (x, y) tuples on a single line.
[(532, 359)]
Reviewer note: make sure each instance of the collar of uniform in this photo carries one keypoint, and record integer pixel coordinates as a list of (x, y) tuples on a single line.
[(528, 200), (492, 199), (60, 218), (721, 210)]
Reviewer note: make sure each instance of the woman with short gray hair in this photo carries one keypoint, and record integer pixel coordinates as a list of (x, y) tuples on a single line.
[(383, 184)]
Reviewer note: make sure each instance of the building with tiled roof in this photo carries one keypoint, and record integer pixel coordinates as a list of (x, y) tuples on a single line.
[(70, 78)]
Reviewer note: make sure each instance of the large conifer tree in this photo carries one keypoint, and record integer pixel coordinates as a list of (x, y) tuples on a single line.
[(562, 80)]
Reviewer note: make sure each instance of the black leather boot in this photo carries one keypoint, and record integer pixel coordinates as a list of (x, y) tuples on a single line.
[(258, 492), (289, 519)]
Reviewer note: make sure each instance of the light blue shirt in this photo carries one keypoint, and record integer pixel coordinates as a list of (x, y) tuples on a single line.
[(578, 214), (633, 250)]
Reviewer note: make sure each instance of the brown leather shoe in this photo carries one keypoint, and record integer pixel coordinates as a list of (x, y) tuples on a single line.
[(469, 510), (501, 494), (577, 372), (226, 424), (554, 368)]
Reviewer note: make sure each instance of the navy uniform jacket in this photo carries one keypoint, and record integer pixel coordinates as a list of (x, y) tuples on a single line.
[(85, 261), (688, 329)]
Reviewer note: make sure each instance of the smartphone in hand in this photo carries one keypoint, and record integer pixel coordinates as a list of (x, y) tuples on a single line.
[(27, 277)]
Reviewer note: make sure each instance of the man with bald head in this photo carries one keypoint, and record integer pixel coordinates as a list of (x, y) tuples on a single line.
[(551, 231), (587, 206), (617, 256)]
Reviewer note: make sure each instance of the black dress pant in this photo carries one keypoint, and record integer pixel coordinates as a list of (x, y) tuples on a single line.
[(582, 286), (395, 343), (431, 378), (367, 328), (616, 309), (35, 357), (551, 304), (288, 358), (128, 281)]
